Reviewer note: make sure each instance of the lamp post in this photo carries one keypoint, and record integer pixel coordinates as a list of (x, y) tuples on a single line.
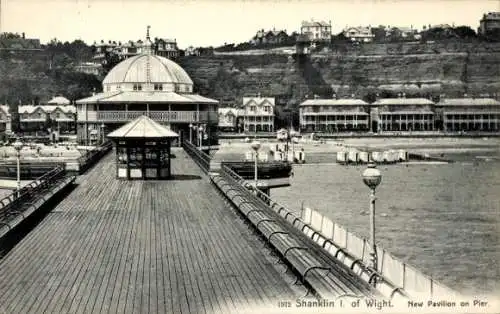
[(102, 131), (200, 136), (191, 133), (256, 146), (18, 146), (372, 178), (292, 137)]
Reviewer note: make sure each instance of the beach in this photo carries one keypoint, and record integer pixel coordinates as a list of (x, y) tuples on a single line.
[(325, 151)]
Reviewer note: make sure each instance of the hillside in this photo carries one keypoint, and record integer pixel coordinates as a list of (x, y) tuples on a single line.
[(34, 75), (416, 69), (420, 70)]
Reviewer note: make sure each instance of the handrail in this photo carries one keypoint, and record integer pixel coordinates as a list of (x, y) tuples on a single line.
[(202, 159), (85, 161), (14, 199)]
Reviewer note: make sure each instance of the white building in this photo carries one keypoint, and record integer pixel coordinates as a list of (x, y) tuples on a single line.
[(359, 34), (228, 118), (258, 114), (317, 31), (150, 85)]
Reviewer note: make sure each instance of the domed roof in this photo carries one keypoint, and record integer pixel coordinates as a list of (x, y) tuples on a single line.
[(135, 70)]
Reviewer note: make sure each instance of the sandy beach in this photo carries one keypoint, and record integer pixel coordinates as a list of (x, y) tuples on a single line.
[(324, 152)]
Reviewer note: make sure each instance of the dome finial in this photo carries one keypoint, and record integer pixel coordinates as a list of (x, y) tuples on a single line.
[(148, 45)]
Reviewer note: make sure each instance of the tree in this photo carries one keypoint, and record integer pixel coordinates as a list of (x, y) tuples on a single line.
[(465, 32), (110, 60)]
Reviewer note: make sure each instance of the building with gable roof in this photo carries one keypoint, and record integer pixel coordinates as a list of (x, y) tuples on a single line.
[(228, 118), (402, 114), (317, 31), (258, 114), (334, 115), (34, 118), (150, 85), (359, 34), (489, 22), (468, 114)]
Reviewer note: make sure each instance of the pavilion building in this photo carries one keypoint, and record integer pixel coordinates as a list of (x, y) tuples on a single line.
[(149, 85), (334, 115), (468, 114), (142, 149), (402, 114)]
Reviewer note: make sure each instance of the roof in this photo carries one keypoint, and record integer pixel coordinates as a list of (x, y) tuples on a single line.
[(315, 23), (46, 108), (143, 127), (135, 70), (59, 100), (403, 101), (225, 111), (145, 97), (258, 100), (334, 102), (468, 102)]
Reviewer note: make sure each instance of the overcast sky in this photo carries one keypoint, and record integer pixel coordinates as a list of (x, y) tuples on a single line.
[(213, 22)]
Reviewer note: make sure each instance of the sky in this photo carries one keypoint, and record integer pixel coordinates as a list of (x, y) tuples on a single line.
[(214, 22)]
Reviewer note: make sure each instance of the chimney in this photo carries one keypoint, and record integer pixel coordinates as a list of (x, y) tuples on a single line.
[(24, 35)]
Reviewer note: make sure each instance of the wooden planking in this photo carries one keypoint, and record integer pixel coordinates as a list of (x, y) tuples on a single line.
[(140, 246)]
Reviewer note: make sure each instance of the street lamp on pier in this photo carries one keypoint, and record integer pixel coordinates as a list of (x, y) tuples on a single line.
[(200, 136), (102, 132), (293, 138), (191, 133), (256, 146), (372, 178), (18, 145)]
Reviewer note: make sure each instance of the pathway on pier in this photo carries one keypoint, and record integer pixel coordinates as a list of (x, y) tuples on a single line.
[(140, 247)]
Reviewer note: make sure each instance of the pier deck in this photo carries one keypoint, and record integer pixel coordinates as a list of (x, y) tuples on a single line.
[(141, 247)]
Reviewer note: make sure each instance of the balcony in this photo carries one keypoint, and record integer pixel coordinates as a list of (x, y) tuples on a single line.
[(160, 116)]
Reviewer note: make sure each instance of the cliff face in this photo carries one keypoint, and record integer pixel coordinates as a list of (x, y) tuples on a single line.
[(414, 69), (417, 70)]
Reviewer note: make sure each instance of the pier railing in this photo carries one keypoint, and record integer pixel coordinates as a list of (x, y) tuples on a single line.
[(202, 159), (347, 246), (91, 157), (11, 205), (393, 277)]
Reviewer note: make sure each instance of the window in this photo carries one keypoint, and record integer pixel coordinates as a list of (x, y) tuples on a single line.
[(252, 108), (158, 87), (58, 115), (108, 88), (266, 108), (137, 87)]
